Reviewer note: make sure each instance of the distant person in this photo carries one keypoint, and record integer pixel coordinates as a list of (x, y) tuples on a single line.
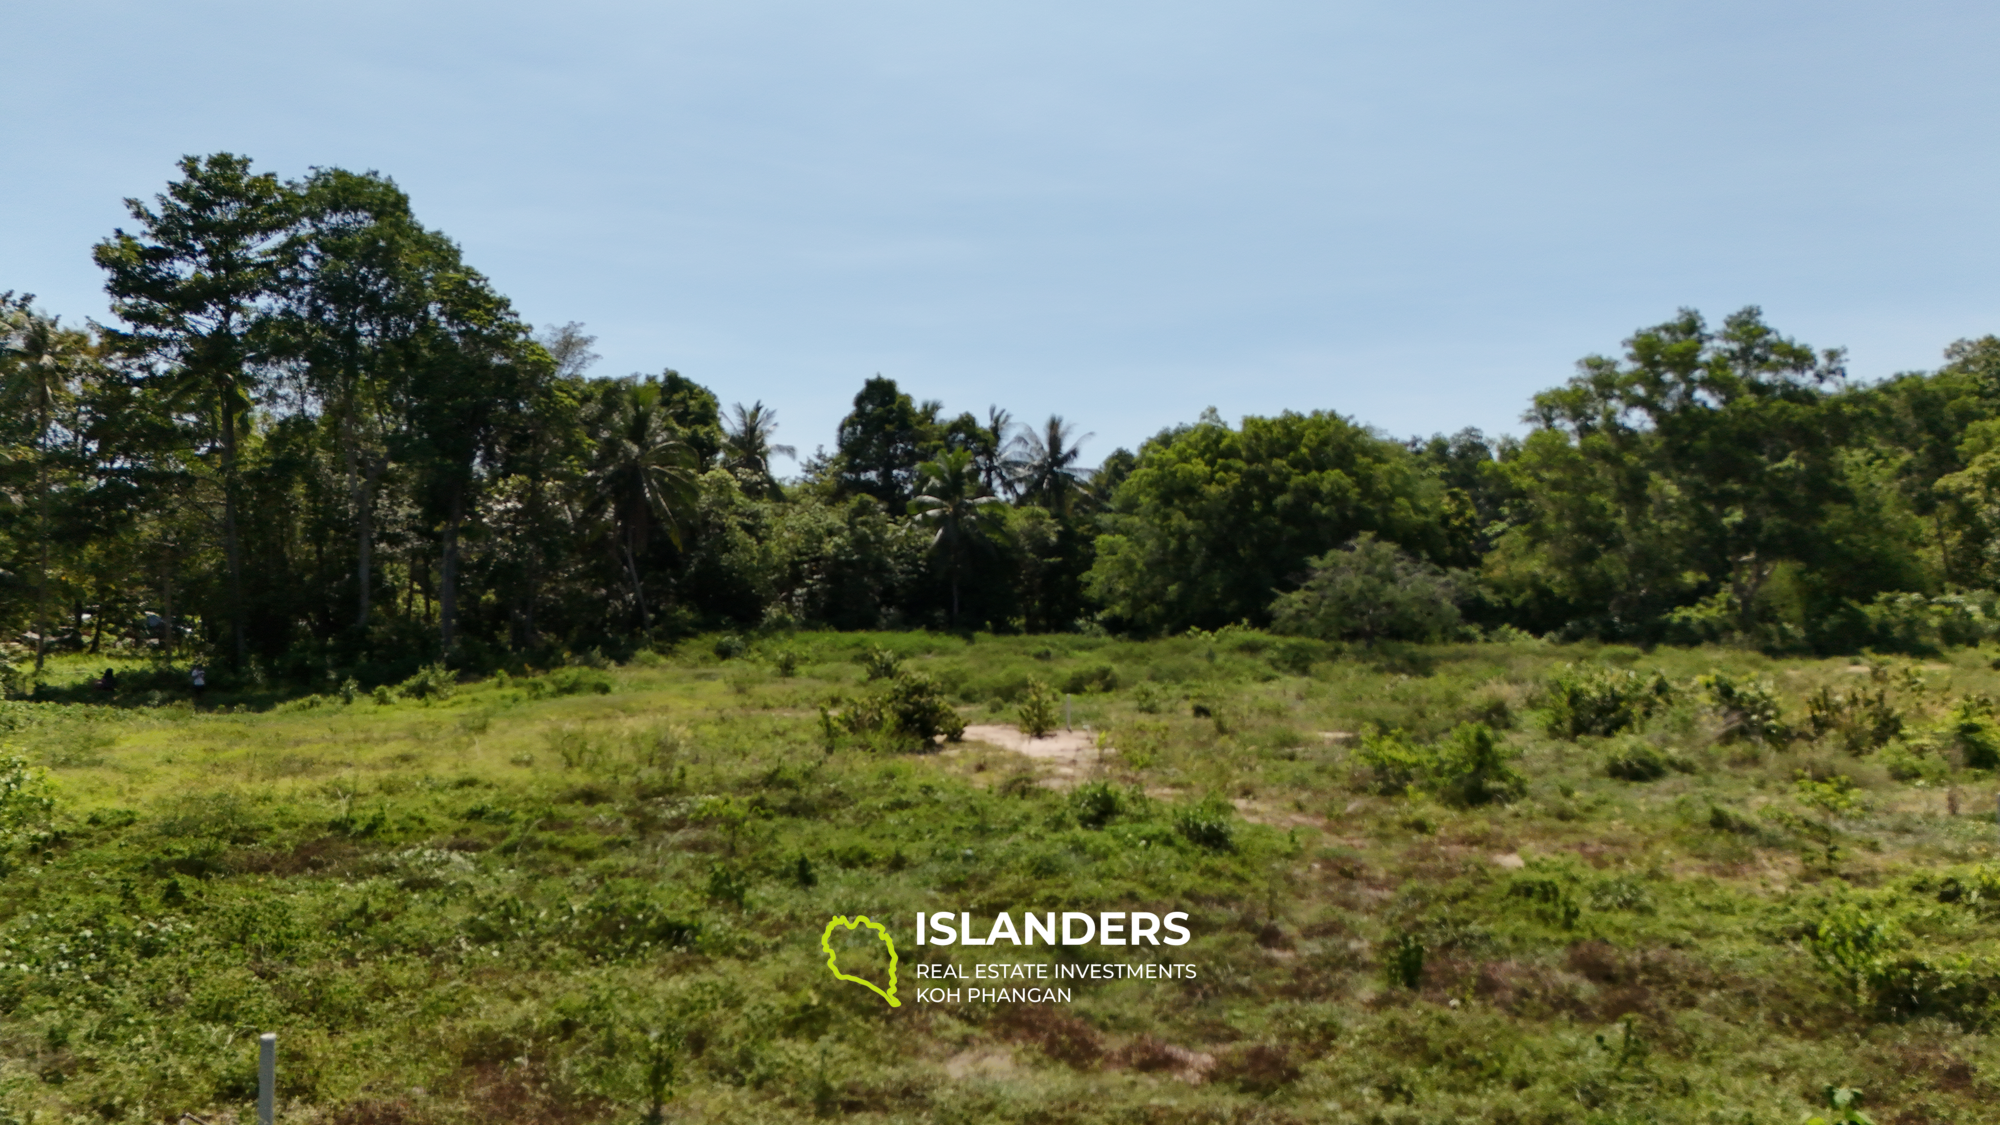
[(198, 680), (109, 682)]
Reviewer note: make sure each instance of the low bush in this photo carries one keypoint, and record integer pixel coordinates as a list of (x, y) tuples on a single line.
[(1037, 713), (1857, 722), (1583, 700), (1098, 803), (1637, 760), (1209, 824), (432, 681), (881, 663), (1095, 678), (1470, 766), (1970, 733), (1748, 709), (1372, 590), (909, 712), (568, 681)]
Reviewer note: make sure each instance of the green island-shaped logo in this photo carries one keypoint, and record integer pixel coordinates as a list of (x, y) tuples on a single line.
[(833, 960)]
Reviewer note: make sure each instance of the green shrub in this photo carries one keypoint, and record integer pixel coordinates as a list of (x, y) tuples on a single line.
[(919, 709), (1914, 761), (1856, 722), (1394, 762), (1550, 896), (1837, 794), (728, 885), (1583, 700), (1467, 767), (25, 803), (1473, 768), (1971, 732), (1097, 803), (569, 681), (1099, 677), (1151, 698), (1037, 713), (786, 661), (1403, 962), (432, 681), (1295, 656), (1850, 945), (729, 646), (1862, 953), (909, 712), (1373, 590), (1637, 759), (1749, 710), (1209, 824), (881, 663), (1977, 890), (1843, 1106)]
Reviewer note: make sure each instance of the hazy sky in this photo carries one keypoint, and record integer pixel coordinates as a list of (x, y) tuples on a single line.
[(1416, 214)]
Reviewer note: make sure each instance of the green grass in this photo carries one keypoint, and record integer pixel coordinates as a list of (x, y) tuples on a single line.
[(533, 900)]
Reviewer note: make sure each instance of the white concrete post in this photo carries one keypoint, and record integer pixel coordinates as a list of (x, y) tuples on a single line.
[(267, 1078), (1066, 725)]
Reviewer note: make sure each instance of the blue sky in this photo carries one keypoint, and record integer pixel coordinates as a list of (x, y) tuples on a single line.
[(1413, 213)]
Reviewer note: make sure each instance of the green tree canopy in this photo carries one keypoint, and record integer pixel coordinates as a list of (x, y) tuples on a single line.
[(881, 442), (1213, 521)]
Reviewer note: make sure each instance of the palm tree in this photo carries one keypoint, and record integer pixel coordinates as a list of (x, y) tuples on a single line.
[(949, 498), (996, 456), (747, 448), (1047, 473), (643, 472)]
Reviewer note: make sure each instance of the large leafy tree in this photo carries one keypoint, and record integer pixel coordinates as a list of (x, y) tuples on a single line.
[(462, 395), (1696, 465), (881, 443), (193, 285), (1213, 521), (356, 281), (40, 365)]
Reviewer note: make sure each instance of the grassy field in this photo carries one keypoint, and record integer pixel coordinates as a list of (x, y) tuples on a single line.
[(1499, 883)]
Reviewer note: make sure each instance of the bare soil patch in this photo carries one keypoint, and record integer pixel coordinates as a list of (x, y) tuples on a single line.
[(1070, 756)]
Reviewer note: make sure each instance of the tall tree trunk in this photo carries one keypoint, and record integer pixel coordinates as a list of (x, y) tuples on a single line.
[(364, 534), (448, 571), (167, 585), (230, 548), (536, 508), (42, 528), (42, 601), (631, 562)]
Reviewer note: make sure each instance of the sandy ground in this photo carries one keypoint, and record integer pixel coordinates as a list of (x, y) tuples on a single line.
[(1070, 755)]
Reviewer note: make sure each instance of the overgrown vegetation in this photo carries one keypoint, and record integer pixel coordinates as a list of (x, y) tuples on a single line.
[(595, 894)]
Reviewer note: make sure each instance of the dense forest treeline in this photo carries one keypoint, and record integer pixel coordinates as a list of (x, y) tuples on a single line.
[(317, 439)]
